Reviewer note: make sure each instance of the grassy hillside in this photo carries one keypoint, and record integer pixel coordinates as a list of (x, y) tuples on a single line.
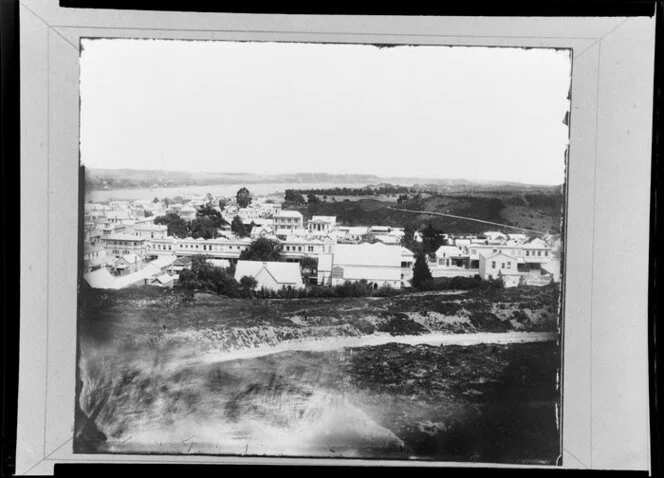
[(540, 212)]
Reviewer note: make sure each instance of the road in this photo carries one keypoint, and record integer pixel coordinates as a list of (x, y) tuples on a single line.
[(432, 213)]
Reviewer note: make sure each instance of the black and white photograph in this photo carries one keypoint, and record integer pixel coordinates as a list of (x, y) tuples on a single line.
[(321, 250)]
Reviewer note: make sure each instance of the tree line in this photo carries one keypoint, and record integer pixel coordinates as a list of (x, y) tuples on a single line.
[(205, 225), (292, 194)]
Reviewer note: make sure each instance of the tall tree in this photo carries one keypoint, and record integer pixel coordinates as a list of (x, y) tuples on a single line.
[(421, 272), (243, 197), (238, 227), (222, 204), (431, 239), (208, 212), (177, 226), (408, 235), (262, 249), (204, 227)]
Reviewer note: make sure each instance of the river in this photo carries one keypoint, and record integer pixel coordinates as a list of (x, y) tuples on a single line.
[(147, 194)]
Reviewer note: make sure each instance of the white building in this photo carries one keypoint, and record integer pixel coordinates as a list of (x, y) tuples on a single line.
[(500, 265), (378, 264), (495, 236), (95, 257), (352, 233), (269, 209), (151, 231), (453, 261), (262, 231), (161, 246), (407, 262), (295, 248), (518, 238), (123, 244), (220, 247), (187, 213), (321, 225), (285, 222), (324, 269), (450, 256), (537, 251), (126, 264), (249, 214), (271, 275)]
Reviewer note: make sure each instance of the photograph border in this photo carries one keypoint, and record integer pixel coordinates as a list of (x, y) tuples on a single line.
[(612, 71)]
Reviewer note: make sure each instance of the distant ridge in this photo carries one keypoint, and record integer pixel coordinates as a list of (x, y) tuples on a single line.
[(129, 178)]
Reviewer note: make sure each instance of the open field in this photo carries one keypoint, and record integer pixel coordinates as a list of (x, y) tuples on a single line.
[(145, 314)]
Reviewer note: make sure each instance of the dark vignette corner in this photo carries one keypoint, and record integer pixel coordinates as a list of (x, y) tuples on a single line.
[(545, 8)]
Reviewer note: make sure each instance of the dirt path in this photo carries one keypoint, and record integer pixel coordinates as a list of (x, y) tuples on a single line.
[(334, 343), (432, 213)]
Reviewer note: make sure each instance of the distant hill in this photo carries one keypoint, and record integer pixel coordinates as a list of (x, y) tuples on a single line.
[(138, 178)]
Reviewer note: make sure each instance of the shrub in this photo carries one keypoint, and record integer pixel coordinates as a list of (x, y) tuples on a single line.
[(248, 282)]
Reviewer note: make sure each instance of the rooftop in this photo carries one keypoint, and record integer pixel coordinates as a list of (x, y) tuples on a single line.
[(282, 272), (367, 255), (499, 254), (163, 261), (123, 237), (324, 218), (151, 227), (451, 251), (288, 213)]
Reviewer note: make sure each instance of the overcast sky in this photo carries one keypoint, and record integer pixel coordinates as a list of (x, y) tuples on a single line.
[(444, 112)]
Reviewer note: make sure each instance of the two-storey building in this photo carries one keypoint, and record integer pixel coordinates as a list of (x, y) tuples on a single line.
[(285, 222)]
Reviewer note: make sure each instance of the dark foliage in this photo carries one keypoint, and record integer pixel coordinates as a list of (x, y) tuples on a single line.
[(238, 227), (312, 199), (262, 249), (364, 191), (248, 282), (243, 197), (431, 239), (294, 196), (203, 227), (421, 272), (177, 226)]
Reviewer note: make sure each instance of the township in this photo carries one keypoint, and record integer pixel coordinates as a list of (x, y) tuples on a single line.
[(123, 247)]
